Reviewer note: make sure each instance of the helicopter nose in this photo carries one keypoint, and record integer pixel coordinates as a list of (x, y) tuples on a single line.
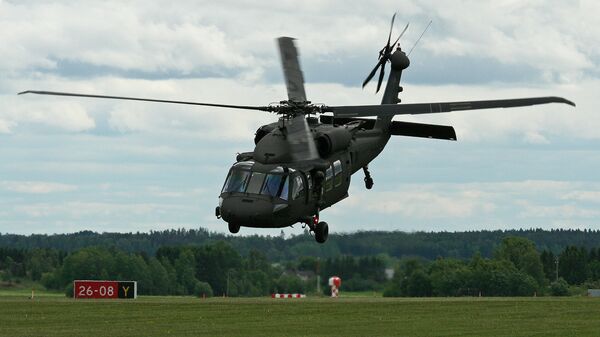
[(247, 211)]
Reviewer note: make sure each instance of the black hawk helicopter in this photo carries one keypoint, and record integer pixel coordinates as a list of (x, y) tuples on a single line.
[(302, 164)]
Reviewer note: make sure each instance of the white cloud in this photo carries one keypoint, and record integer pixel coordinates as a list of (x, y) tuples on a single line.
[(5, 126), (555, 38), (592, 196), (193, 36), (565, 213), (532, 202), (133, 37), (80, 210), (36, 187), (67, 115), (415, 203)]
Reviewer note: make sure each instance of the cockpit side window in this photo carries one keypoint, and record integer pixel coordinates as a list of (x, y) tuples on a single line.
[(272, 184), (298, 187), (236, 181), (285, 189)]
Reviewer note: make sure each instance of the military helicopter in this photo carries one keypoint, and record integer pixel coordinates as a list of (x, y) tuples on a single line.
[(302, 164)]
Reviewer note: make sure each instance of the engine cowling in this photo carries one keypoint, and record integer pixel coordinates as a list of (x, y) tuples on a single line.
[(332, 141), (263, 131)]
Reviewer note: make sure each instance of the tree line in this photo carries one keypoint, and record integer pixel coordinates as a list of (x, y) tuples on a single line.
[(428, 245), (515, 268), (212, 269)]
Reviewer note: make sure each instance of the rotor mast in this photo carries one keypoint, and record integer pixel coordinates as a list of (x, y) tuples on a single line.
[(399, 62)]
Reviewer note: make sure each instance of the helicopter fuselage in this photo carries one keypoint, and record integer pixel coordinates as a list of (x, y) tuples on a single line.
[(264, 189)]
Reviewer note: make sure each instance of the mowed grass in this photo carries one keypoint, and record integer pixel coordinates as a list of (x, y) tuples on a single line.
[(186, 316)]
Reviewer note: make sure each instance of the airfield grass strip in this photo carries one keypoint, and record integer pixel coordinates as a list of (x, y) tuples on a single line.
[(186, 316)]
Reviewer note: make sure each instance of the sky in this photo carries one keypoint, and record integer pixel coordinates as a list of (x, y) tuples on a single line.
[(71, 164)]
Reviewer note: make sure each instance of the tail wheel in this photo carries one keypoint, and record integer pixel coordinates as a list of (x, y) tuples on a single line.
[(234, 228), (321, 232)]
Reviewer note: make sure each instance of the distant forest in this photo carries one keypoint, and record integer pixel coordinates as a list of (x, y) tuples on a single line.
[(200, 263), (428, 245)]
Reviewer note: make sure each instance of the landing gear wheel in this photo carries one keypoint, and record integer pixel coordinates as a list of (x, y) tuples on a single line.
[(369, 183), (368, 179), (234, 228), (321, 232)]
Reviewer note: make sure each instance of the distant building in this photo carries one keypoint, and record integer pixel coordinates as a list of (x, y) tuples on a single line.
[(593, 292)]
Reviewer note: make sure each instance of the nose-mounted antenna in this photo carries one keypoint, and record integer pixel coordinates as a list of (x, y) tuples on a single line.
[(419, 39)]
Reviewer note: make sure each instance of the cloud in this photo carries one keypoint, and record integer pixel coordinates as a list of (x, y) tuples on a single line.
[(443, 205), (154, 38), (415, 203), (5, 126), (36, 187), (46, 33), (67, 115), (591, 196)]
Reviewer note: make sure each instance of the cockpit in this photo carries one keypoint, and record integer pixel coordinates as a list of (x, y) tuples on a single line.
[(244, 177), (259, 195)]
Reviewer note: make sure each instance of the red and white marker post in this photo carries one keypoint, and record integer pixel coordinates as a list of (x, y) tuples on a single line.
[(335, 282)]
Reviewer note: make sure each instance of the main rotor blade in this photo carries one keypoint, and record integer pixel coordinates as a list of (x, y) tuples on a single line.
[(427, 108), (56, 93), (302, 144), (294, 80)]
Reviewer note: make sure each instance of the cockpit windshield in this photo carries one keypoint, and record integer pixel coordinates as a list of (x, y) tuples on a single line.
[(236, 181), (246, 181)]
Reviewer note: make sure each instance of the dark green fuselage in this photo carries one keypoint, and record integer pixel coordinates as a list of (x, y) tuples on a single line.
[(344, 150)]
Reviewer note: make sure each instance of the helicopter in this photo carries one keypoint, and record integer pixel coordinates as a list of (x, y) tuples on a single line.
[(303, 163)]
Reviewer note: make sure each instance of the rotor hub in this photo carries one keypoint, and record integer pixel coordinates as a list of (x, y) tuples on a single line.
[(399, 60)]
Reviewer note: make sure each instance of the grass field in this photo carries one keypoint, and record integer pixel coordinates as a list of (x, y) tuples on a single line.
[(355, 316)]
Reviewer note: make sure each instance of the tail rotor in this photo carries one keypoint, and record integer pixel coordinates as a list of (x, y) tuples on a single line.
[(384, 56)]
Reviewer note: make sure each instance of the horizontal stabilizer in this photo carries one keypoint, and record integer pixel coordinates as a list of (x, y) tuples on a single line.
[(422, 130), (398, 128)]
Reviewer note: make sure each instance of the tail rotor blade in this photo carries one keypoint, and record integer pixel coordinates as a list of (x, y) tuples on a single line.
[(373, 72), (381, 75), (401, 34), (390, 35)]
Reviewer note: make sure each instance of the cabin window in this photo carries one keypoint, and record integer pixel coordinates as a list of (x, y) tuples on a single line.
[(328, 179), (236, 181), (337, 171), (256, 182), (298, 187)]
